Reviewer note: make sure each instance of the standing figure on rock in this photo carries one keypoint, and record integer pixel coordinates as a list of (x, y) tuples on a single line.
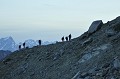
[(39, 42), (70, 37), (19, 47), (62, 39), (24, 44), (66, 38)]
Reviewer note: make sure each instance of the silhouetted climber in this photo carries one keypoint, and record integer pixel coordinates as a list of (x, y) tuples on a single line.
[(24, 44), (66, 38), (70, 37), (39, 42), (19, 47), (62, 39)]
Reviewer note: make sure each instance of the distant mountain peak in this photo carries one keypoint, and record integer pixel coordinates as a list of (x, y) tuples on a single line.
[(7, 43)]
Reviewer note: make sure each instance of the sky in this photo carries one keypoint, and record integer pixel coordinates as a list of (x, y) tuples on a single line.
[(49, 20)]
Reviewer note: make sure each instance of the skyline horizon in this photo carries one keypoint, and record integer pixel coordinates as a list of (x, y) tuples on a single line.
[(35, 39), (52, 19)]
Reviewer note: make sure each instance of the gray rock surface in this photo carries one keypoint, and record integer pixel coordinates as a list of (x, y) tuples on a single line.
[(96, 25), (110, 33), (95, 51), (116, 63), (89, 40), (3, 54)]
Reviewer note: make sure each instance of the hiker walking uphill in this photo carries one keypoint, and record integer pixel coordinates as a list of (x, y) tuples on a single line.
[(66, 38), (19, 47), (70, 37), (62, 39), (24, 44), (39, 42)]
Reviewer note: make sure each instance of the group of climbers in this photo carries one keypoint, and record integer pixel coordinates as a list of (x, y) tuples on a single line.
[(68, 38), (24, 44)]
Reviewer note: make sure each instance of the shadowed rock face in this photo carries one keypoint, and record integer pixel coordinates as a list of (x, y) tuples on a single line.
[(3, 54), (96, 25), (93, 57)]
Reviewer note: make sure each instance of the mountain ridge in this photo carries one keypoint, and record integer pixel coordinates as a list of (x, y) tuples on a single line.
[(8, 44), (89, 56)]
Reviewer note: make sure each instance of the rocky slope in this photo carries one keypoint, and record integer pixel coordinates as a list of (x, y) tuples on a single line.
[(90, 56), (3, 54)]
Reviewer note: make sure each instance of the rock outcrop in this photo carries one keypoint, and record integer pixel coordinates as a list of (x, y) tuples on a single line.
[(96, 25)]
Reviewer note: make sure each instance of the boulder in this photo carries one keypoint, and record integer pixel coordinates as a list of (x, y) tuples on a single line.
[(84, 74), (96, 25), (88, 77), (85, 57), (99, 74), (116, 63), (89, 40), (110, 33)]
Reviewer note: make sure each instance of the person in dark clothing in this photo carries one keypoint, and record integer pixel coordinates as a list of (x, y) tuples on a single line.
[(39, 42), (19, 47), (24, 44), (62, 39), (66, 38), (70, 37)]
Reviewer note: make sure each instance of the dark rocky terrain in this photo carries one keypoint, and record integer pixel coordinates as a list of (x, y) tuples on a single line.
[(90, 56), (3, 54)]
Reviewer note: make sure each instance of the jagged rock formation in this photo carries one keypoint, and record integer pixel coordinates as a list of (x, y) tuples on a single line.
[(96, 56)]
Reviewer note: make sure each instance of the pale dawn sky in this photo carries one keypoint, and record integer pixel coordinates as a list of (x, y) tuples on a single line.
[(49, 20)]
